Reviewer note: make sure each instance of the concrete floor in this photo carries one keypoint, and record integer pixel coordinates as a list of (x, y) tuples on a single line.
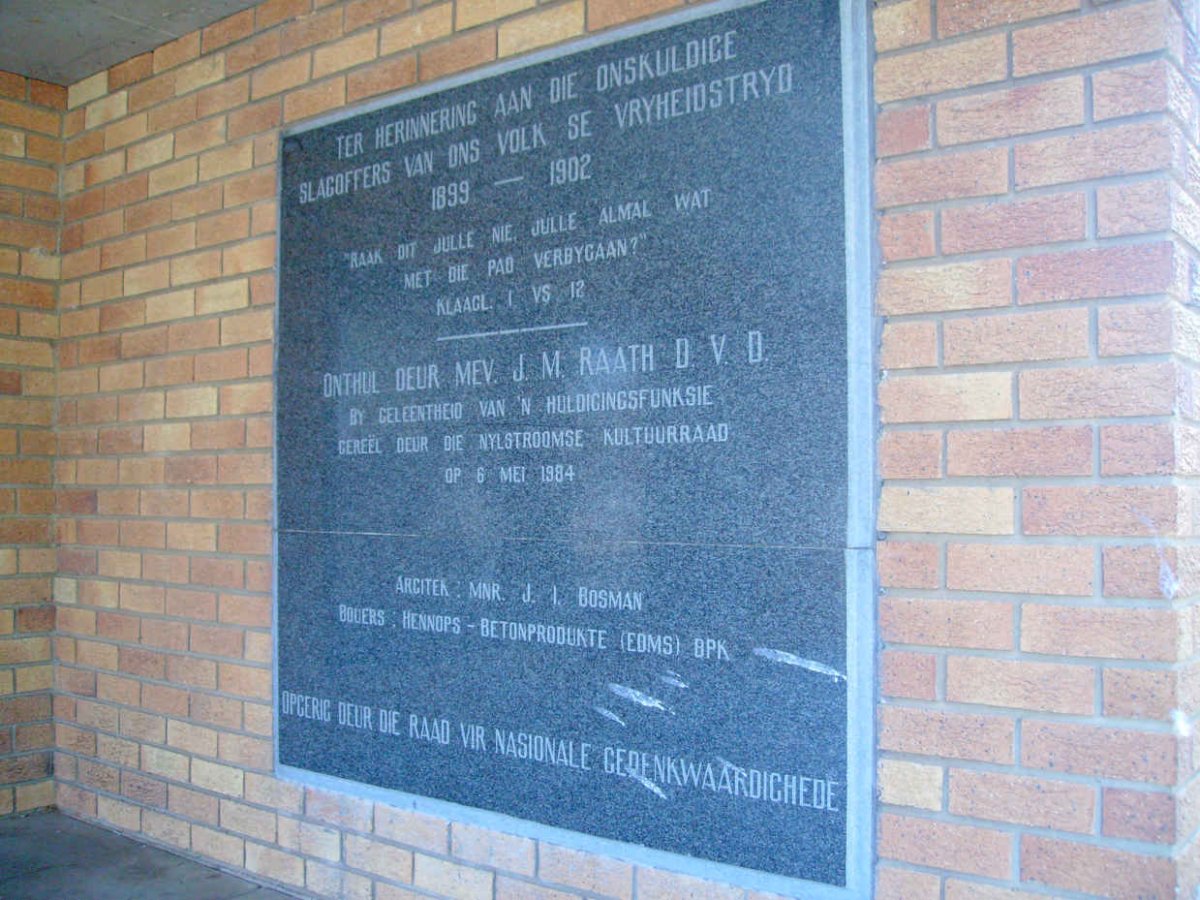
[(48, 855)]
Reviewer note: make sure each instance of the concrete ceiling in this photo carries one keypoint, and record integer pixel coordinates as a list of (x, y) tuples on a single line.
[(64, 41)]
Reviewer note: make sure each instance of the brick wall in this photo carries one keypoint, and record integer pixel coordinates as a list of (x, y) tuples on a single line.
[(163, 707), (1036, 186), (1038, 238), (30, 158)]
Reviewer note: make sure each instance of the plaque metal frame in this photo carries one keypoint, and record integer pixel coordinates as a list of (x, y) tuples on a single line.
[(861, 488)]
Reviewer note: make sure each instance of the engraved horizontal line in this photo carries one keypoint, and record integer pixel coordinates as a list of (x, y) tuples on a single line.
[(483, 334), (593, 539), (512, 180)]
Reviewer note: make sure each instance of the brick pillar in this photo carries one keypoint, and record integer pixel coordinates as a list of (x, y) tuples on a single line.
[(1034, 186), (30, 156)]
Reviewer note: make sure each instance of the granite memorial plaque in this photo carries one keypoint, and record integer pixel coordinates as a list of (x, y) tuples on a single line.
[(562, 444)]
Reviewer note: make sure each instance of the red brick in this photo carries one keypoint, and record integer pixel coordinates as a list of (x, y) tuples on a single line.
[(254, 119), (388, 75), (27, 235), (24, 710), (946, 176), (1089, 39), (245, 539), (1137, 450), (214, 640), (1102, 153), (151, 92), (1019, 337), (221, 366), (314, 100), (144, 791), (28, 118), (173, 115), (1078, 393), (201, 673), (904, 130), (591, 873), (1036, 802), (956, 736), (227, 30), (906, 235), (1138, 208), (909, 345), (367, 12), (1016, 684), (973, 624), (941, 68), (1138, 329), (244, 469), (177, 52), (304, 32), (471, 49), (250, 611), (217, 572), (45, 179), (223, 712), (1146, 634), (908, 675), (902, 24), (1099, 752), (218, 504), (188, 604), (252, 53), (164, 635), (218, 435), (279, 77), (272, 12), (961, 848), (163, 503), (27, 293), (249, 188), (28, 767), (1011, 112), (1101, 510), (908, 564), (1024, 223), (337, 809), (910, 454), (1020, 568), (198, 335), (142, 663), (1055, 450), (244, 681), (12, 85), (1140, 572), (1095, 870), (1139, 693), (1096, 273), (45, 94), (1130, 90), (1139, 815), (905, 884), (961, 16)]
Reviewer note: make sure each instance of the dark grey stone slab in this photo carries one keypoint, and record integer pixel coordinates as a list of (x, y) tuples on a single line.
[(710, 698), (562, 444), (719, 320)]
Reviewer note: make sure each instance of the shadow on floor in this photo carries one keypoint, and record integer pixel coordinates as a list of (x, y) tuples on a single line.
[(49, 855)]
